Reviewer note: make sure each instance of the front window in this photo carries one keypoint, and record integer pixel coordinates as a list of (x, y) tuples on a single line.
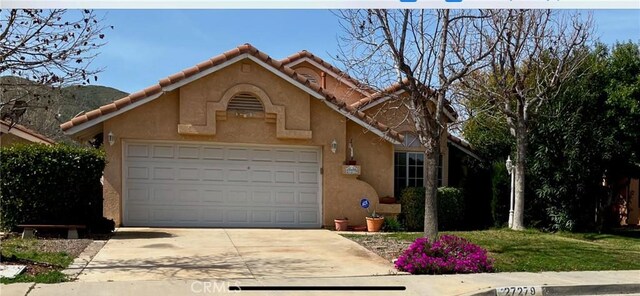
[(409, 170)]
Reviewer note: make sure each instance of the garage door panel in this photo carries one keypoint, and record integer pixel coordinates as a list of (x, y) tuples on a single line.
[(262, 155), (213, 197), (285, 156), (212, 216), (188, 152), (287, 177), (221, 186), (163, 173), (307, 217), (307, 177), (237, 154), (237, 216), (284, 216), (213, 175), (237, 175), (308, 198), (163, 151), (174, 214), (189, 174), (262, 176), (138, 150), (261, 198), (309, 156), (212, 153), (138, 194), (138, 172)]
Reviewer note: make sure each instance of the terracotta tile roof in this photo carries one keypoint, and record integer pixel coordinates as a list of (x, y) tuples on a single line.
[(464, 144), (217, 60), (7, 127), (366, 90), (380, 95)]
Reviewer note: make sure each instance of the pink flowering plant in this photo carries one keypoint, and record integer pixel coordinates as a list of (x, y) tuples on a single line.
[(449, 254)]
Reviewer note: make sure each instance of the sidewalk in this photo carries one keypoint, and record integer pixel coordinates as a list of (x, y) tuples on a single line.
[(468, 284)]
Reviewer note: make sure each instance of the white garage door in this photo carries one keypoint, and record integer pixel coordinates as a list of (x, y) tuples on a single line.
[(203, 185)]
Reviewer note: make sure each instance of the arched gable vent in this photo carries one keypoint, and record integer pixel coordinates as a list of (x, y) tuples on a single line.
[(245, 102)]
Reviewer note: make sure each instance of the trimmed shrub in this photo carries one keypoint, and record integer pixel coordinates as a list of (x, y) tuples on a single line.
[(450, 208), (449, 254), (412, 201), (51, 185), (391, 224)]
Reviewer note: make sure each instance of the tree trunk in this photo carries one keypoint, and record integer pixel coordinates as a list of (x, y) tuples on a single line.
[(431, 189), (521, 150)]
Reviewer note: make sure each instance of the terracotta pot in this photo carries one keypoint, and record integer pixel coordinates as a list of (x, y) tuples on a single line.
[(360, 228), (387, 200), (374, 224), (341, 224)]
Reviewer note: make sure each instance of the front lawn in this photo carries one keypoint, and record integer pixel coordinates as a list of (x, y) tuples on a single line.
[(44, 258), (531, 250)]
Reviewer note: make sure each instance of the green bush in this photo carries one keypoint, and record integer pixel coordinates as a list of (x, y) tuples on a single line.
[(412, 201), (391, 224), (450, 208), (50, 185)]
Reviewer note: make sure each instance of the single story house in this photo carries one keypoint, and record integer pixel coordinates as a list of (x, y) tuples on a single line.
[(245, 140), (12, 133)]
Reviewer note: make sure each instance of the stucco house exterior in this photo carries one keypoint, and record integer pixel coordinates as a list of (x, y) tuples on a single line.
[(245, 140), (11, 134)]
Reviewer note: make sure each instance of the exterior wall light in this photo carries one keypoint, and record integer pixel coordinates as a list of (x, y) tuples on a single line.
[(111, 138), (334, 146)]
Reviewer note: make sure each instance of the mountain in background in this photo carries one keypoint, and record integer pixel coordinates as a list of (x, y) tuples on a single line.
[(55, 105)]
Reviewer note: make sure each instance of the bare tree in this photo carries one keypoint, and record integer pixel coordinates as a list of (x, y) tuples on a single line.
[(47, 49), (425, 52), (536, 53)]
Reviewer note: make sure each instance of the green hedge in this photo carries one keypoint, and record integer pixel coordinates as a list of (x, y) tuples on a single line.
[(51, 185), (412, 215), (450, 208)]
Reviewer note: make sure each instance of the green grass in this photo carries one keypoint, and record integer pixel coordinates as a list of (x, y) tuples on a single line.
[(27, 249), (535, 251), (49, 277)]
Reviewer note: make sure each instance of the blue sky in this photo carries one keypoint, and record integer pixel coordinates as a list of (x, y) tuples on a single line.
[(146, 45)]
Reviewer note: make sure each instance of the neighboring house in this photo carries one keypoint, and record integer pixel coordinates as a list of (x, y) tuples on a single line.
[(245, 140), (11, 134)]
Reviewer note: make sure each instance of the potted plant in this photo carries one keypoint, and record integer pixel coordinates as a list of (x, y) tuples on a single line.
[(374, 222), (341, 224)]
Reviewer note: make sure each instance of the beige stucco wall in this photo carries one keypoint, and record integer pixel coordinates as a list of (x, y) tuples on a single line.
[(374, 155), (158, 120), (9, 139)]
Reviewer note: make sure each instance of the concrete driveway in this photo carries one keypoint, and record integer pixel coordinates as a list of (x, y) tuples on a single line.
[(175, 253)]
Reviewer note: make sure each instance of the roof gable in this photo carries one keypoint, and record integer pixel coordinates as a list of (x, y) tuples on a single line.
[(23, 132), (245, 51)]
